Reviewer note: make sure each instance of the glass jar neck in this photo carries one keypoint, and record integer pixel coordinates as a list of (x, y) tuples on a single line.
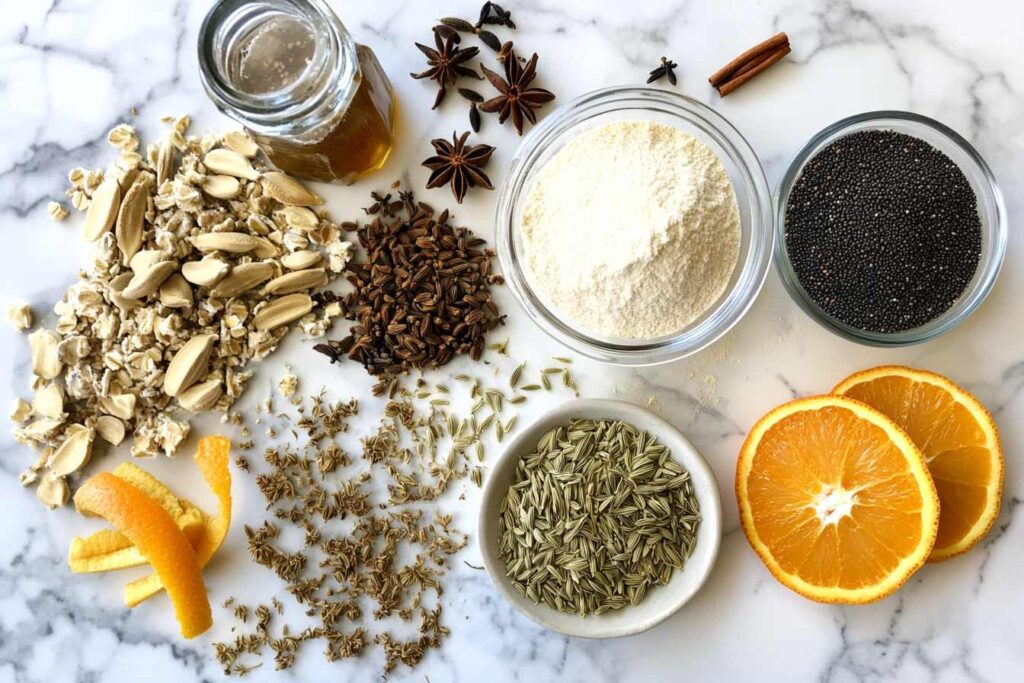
[(309, 80)]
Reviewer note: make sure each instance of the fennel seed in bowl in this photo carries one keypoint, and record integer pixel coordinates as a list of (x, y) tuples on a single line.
[(597, 514)]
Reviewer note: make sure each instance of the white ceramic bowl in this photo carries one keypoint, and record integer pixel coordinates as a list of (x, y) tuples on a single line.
[(661, 602)]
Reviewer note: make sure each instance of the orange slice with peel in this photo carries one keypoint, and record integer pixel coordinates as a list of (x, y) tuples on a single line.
[(212, 458), (145, 523), (959, 440), (836, 499)]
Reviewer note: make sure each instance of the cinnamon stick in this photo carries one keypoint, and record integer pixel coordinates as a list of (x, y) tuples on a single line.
[(729, 70), (756, 62), (753, 69)]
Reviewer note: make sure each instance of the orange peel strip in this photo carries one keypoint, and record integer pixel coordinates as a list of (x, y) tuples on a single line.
[(107, 550), (151, 486), (145, 523), (212, 458)]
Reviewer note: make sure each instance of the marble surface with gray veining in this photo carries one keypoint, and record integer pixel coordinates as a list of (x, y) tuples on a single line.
[(71, 69)]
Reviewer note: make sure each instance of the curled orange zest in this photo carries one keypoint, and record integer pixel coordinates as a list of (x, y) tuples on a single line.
[(212, 458), (149, 527), (107, 550)]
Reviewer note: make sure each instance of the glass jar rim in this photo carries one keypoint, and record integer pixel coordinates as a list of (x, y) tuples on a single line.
[(324, 88)]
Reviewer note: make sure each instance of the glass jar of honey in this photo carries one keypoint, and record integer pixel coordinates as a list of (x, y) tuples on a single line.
[(318, 104)]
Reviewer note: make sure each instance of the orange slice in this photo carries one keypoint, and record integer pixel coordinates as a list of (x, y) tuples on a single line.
[(212, 458), (145, 523), (836, 499), (958, 438)]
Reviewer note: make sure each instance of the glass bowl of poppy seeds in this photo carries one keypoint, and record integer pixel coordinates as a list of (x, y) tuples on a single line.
[(892, 228)]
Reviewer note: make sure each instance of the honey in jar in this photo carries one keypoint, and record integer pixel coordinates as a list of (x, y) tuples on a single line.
[(319, 105)]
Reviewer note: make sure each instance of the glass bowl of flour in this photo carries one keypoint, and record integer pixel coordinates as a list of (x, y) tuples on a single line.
[(635, 225)]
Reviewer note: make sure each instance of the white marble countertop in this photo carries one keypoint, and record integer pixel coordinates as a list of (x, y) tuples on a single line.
[(71, 69)]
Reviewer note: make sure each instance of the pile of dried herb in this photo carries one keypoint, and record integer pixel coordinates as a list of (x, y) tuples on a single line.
[(422, 294), (597, 515), (335, 571), (373, 530)]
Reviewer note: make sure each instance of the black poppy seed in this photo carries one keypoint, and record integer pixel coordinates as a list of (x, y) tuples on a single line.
[(882, 231)]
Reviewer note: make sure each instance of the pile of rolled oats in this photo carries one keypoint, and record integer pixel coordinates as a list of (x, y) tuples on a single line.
[(203, 262)]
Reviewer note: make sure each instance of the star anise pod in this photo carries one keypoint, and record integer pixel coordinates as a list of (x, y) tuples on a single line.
[(459, 164), (446, 63), (516, 99)]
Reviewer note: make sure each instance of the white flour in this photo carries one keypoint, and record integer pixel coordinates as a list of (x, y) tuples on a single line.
[(632, 229)]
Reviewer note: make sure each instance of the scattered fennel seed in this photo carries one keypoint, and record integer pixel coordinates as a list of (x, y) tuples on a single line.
[(516, 375)]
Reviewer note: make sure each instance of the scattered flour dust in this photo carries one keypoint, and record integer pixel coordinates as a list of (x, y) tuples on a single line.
[(632, 230)]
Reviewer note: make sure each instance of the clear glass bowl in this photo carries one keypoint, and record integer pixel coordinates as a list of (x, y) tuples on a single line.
[(645, 104), (990, 209)]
